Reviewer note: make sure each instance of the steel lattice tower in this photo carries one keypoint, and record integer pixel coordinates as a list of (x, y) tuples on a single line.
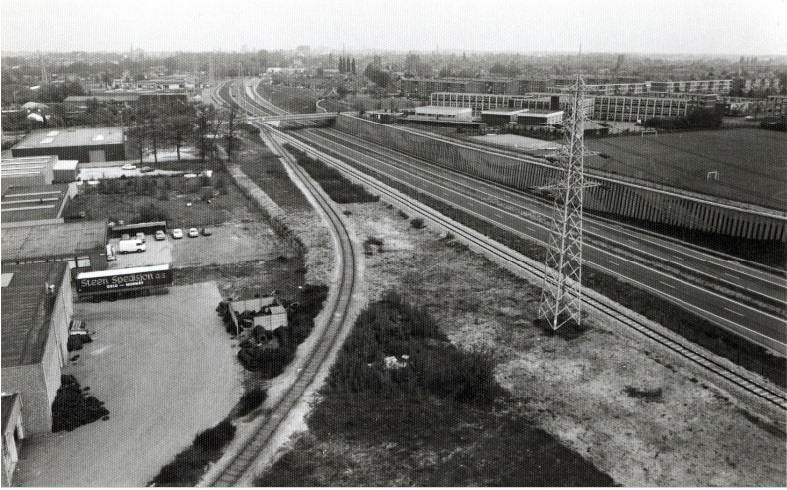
[(561, 297)]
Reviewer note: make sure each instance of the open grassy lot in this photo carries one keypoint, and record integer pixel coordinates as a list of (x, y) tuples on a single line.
[(158, 198), (750, 162), (291, 99), (427, 418)]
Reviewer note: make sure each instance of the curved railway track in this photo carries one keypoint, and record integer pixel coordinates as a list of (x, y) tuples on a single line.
[(748, 384), (337, 315)]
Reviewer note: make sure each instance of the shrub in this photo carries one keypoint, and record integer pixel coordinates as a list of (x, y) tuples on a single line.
[(250, 400), (151, 212), (216, 437), (417, 223), (189, 464)]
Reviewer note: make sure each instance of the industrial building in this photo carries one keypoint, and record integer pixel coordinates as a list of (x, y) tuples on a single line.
[(13, 432), (38, 170), (693, 86), (633, 109), (539, 118), (82, 244), (487, 102), (500, 117), (440, 112), (37, 308), (81, 144), (34, 205)]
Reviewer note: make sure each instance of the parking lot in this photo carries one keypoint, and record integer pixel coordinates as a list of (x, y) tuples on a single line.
[(156, 252), (229, 243), (152, 361)]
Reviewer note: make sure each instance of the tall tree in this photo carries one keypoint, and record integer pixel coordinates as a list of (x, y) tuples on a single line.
[(353, 66)]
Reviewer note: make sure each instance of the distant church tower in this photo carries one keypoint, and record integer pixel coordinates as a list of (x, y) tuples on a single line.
[(44, 73)]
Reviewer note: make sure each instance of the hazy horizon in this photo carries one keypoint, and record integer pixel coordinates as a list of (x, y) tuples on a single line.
[(666, 27)]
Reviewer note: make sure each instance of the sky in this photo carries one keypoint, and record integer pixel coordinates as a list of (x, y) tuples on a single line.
[(736, 27)]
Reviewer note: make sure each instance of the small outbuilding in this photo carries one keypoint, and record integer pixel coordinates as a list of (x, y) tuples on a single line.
[(13, 432)]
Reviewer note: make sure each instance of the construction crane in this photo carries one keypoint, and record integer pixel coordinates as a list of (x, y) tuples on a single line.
[(561, 296)]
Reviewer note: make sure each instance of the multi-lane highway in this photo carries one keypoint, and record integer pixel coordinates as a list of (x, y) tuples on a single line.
[(523, 217), (744, 299)]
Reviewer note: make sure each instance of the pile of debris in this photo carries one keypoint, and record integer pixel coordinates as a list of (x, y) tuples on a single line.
[(74, 407)]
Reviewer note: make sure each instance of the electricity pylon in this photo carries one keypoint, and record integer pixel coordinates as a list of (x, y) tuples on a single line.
[(561, 296)]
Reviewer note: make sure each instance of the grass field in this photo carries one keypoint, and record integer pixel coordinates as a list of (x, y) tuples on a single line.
[(751, 162)]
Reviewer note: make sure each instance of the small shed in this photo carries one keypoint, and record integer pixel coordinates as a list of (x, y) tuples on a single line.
[(265, 312), (65, 171)]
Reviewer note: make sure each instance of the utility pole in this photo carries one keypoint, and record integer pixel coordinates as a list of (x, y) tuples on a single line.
[(561, 296)]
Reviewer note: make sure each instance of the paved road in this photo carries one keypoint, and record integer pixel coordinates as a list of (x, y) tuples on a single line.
[(760, 326)]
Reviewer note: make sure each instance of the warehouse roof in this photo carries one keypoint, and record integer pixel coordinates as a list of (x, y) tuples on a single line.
[(104, 96), (57, 138), (12, 166), (437, 109), (57, 240), (27, 310), (32, 203)]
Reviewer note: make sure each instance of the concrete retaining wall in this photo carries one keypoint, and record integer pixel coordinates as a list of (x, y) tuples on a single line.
[(629, 199)]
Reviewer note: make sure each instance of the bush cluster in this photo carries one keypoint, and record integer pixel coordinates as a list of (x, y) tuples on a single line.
[(271, 361), (189, 464), (332, 181), (432, 366)]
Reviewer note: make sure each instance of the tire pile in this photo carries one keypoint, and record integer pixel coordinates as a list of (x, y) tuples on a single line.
[(72, 408)]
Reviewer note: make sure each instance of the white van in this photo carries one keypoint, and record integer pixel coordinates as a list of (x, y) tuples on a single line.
[(133, 245)]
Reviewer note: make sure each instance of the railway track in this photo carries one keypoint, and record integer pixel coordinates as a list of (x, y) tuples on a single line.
[(592, 300), (338, 318)]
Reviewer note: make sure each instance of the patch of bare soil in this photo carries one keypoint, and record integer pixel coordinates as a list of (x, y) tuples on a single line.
[(639, 413)]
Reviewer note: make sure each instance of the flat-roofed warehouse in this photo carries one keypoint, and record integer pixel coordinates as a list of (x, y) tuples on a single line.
[(37, 308), (35, 204), (81, 144), (437, 112), (81, 243), (36, 170)]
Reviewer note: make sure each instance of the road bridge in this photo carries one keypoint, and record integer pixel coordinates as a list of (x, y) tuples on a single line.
[(272, 120)]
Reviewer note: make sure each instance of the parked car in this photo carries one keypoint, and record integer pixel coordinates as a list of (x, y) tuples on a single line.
[(160, 235), (206, 232), (125, 236), (128, 166), (193, 233), (177, 233), (141, 237)]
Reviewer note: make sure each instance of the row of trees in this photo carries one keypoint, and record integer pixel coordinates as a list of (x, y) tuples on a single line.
[(347, 65), (180, 125)]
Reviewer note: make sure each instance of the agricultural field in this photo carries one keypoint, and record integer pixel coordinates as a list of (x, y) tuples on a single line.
[(750, 162)]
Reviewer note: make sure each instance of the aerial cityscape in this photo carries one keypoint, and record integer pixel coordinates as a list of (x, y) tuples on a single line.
[(366, 244)]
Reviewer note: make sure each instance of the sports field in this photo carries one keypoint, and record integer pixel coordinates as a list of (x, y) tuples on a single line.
[(751, 162)]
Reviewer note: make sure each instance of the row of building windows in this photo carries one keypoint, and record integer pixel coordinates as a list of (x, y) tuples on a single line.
[(609, 108), (423, 87)]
